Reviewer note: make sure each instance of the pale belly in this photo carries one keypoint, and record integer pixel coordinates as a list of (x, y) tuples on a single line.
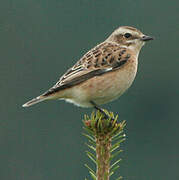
[(105, 88)]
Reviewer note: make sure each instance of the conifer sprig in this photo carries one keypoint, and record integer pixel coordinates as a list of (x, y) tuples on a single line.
[(104, 139)]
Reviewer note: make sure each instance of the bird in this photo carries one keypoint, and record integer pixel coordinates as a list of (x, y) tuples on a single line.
[(103, 74)]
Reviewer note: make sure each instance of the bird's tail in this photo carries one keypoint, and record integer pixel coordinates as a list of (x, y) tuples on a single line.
[(35, 101)]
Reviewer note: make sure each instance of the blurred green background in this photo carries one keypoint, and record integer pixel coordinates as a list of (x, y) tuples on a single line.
[(39, 41)]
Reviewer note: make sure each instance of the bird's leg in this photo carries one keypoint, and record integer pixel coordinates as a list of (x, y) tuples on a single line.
[(98, 108)]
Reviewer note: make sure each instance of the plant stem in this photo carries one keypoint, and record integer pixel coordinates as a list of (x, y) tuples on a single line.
[(103, 145)]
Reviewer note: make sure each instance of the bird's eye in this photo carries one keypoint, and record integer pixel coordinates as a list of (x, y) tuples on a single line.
[(127, 35)]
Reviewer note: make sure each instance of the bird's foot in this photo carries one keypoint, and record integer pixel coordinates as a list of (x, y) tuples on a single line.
[(106, 116)]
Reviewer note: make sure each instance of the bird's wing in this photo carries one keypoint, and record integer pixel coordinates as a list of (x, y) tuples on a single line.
[(105, 57)]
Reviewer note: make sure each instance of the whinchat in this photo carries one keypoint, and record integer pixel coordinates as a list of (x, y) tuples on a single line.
[(103, 74)]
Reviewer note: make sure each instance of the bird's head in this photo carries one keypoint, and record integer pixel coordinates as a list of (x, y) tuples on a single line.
[(129, 37)]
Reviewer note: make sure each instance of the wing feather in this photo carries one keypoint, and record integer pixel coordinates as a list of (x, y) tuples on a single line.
[(104, 58)]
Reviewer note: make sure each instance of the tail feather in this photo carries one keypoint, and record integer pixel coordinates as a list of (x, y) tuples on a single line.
[(34, 101)]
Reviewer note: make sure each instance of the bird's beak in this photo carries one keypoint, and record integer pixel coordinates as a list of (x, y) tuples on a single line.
[(146, 38)]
